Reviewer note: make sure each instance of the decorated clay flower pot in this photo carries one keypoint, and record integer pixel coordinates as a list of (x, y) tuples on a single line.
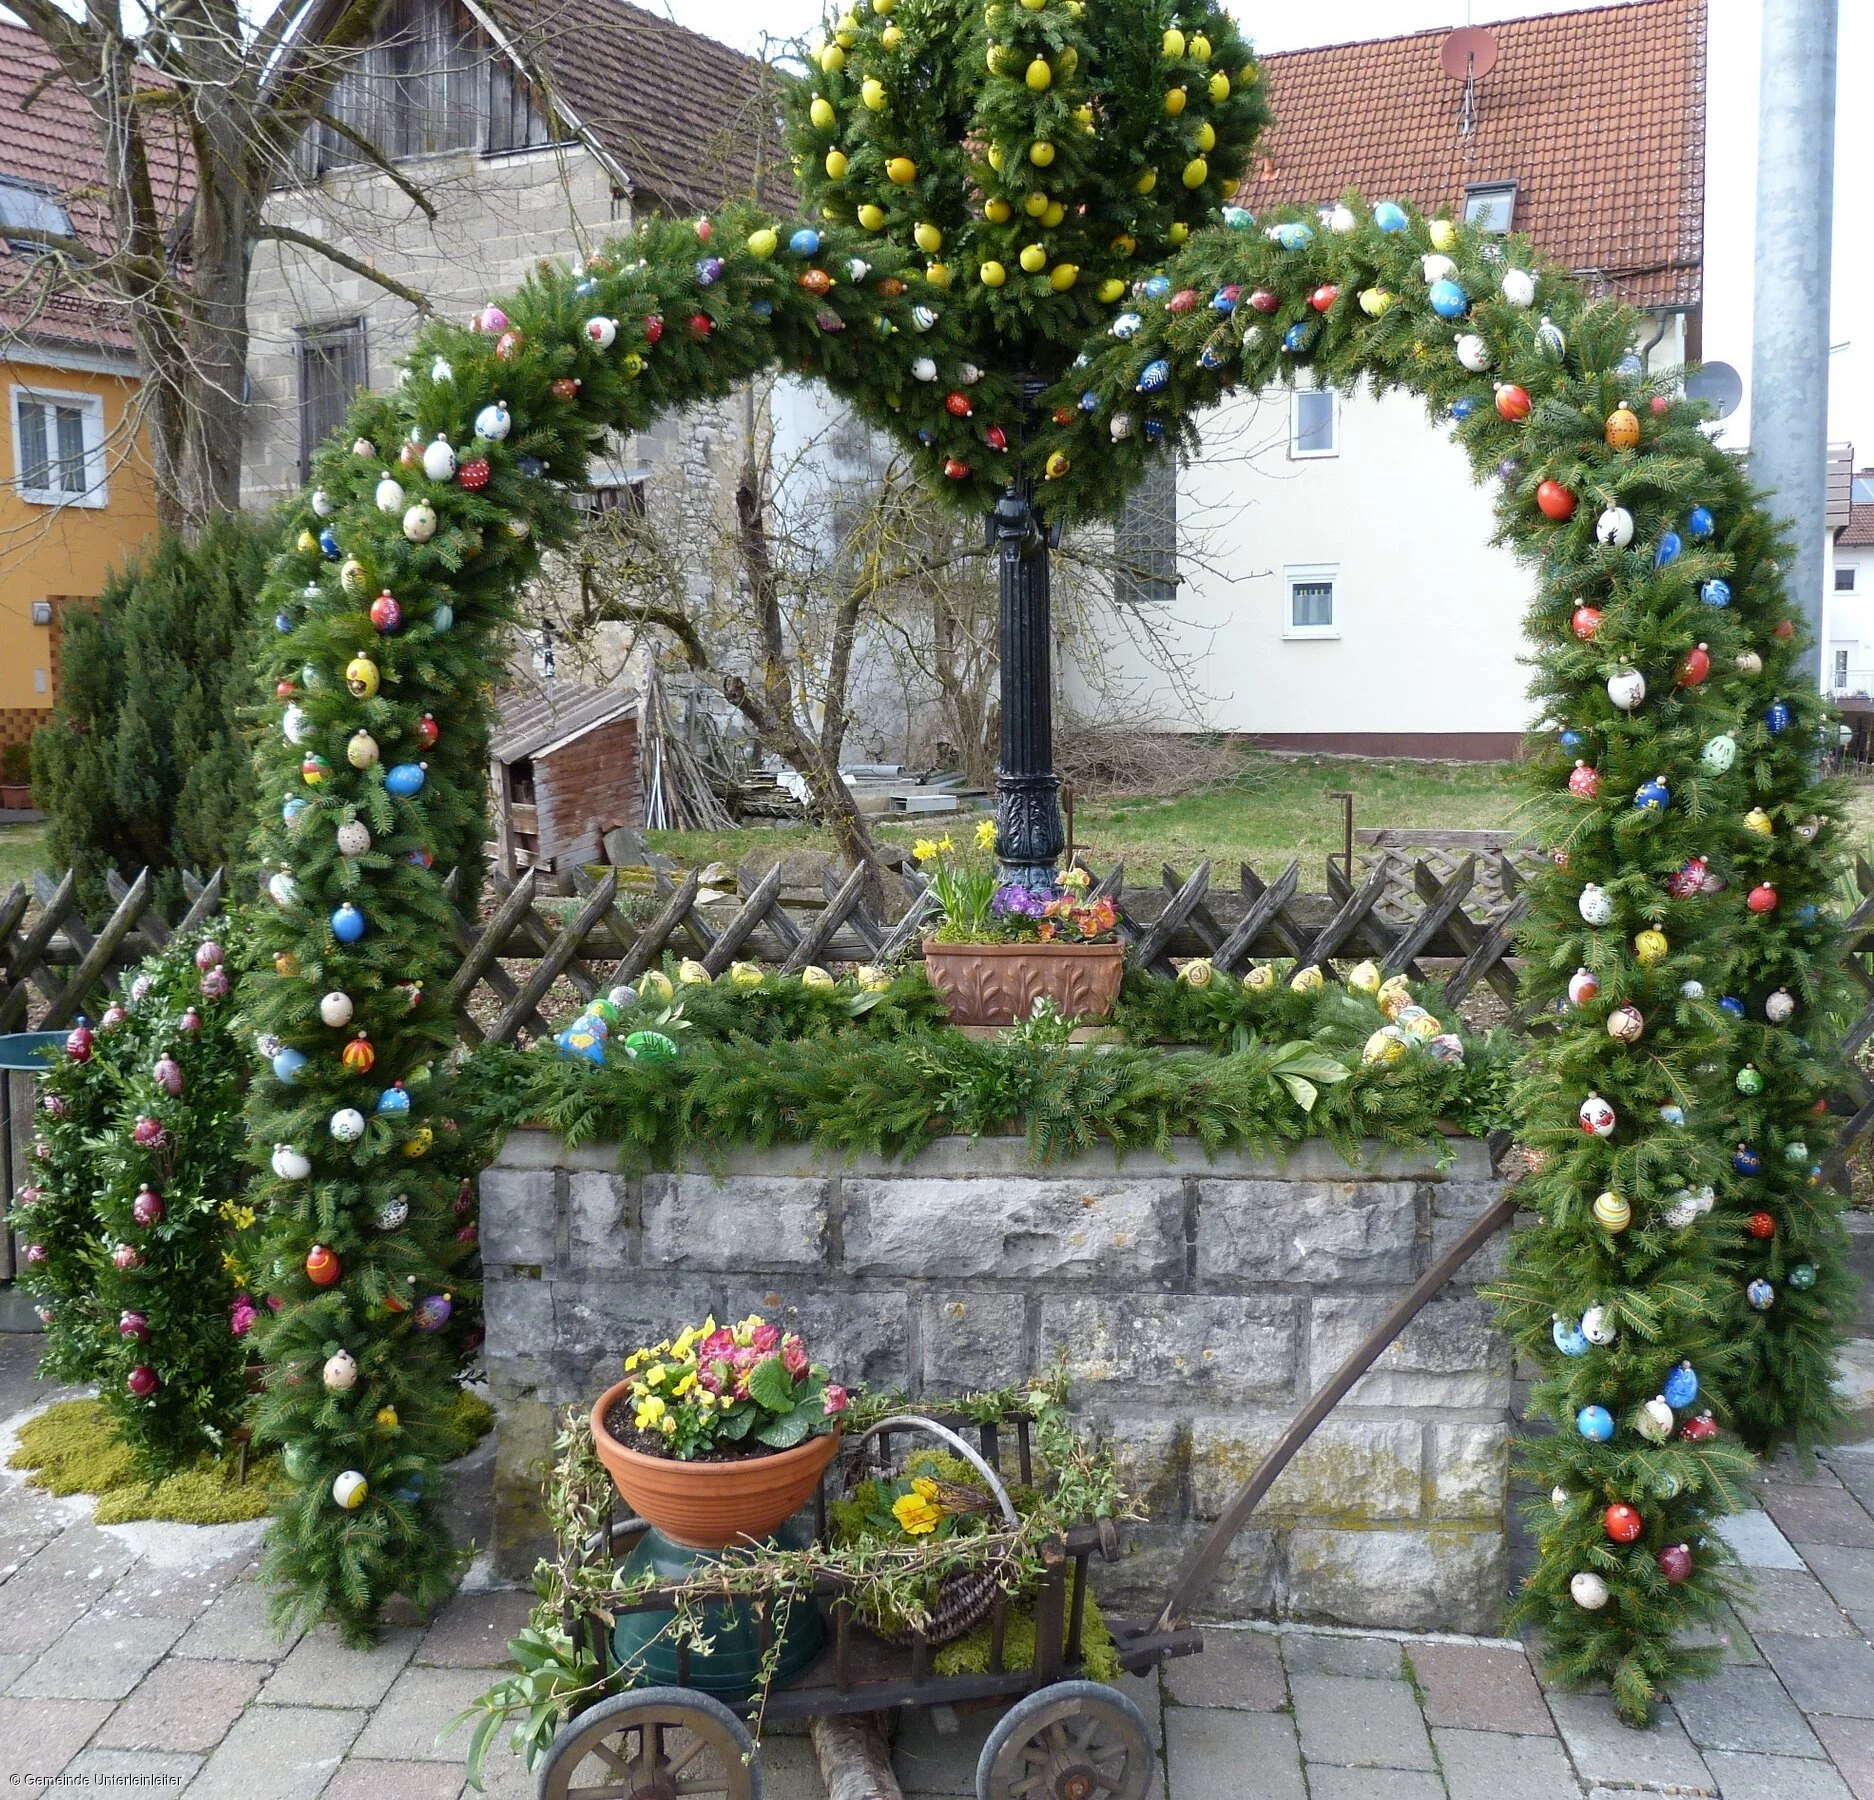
[(709, 1505), (998, 984)]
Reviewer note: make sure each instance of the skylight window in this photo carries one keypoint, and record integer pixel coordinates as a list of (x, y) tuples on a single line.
[(27, 208), (1490, 206)]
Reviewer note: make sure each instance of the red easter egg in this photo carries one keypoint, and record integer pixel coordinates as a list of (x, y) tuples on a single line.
[(1762, 898), (1694, 667), (508, 345), (565, 387), (701, 325), (1513, 401), (1184, 299), (1659, 405), (1324, 296), (653, 327), (386, 614), (1063, 415), (815, 281), (1622, 1522), (427, 732), (1264, 301), (957, 405), (954, 469), (473, 474), (142, 1381), (1675, 1563), (321, 1266), (1700, 1430), (996, 438), (283, 688), (1586, 622), (1783, 629), (1555, 501), (1760, 1225), (1584, 783)]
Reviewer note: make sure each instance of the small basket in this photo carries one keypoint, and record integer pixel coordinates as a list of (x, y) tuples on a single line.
[(964, 1596)]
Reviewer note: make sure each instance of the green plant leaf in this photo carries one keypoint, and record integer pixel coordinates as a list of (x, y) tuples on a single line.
[(770, 1385)]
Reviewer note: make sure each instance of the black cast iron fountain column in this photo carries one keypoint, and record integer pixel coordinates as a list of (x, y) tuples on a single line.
[(1029, 838)]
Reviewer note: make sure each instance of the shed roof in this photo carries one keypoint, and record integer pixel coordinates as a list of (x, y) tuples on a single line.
[(1597, 115), (538, 719)]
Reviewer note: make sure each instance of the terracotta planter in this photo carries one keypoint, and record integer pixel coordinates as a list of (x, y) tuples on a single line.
[(710, 1505), (997, 984), (16, 799)]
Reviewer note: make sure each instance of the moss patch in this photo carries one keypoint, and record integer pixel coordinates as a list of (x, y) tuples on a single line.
[(71, 1450), (471, 1419), (969, 1654)]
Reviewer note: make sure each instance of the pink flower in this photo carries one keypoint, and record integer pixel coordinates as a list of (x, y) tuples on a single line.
[(793, 1356), (764, 1339), (241, 1316), (719, 1346), (837, 1399)]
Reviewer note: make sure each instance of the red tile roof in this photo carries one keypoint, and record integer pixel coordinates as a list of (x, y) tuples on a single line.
[(48, 138), (1598, 116), (1858, 533), (692, 122)]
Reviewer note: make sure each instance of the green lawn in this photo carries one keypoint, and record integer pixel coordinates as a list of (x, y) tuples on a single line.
[(1275, 808), (22, 849)]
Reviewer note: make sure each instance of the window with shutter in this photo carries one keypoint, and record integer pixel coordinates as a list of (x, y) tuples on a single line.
[(332, 368)]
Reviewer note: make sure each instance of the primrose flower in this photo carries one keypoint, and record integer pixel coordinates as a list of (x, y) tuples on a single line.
[(916, 1515), (986, 835), (924, 1487), (1075, 878), (837, 1399), (764, 1339), (794, 1356)]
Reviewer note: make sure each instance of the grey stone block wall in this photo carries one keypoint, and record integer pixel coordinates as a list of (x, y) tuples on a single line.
[(1198, 1304)]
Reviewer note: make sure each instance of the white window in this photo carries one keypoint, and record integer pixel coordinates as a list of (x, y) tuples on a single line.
[(1313, 424), (58, 448), (24, 207), (1490, 205), (1841, 670), (1844, 581), (1312, 601)]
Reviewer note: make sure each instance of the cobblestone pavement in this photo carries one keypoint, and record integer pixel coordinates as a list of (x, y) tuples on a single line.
[(138, 1660)]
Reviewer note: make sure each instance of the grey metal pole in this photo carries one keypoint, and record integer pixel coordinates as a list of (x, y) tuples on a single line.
[(1789, 343)]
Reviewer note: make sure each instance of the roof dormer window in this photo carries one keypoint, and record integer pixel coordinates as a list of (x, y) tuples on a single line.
[(1490, 206), (25, 207)]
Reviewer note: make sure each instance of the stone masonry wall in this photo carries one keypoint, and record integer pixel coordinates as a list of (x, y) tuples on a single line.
[(1198, 1304)]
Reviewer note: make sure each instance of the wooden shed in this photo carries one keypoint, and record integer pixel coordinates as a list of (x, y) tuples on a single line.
[(564, 766)]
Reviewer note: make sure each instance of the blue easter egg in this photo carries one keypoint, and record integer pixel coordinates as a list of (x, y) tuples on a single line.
[(1595, 1423), (1390, 216), (393, 1100), (1731, 1004), (1746, 1161), (1154, 377), (288, 1063), (293, 811), (1462, 409), (805, 241), (764, 309), (1652, 796), (1681, 1387), (531, 466), (1761, 1295), (1776, 715), (1210, 357), (1154, 429), (405, 779), (348, 924), (1715, 592), (328, 542), (585, 285), (1296, 234), (1449, 301), (1157, 286), (1569, 1338), (442, 617), (1700, 523), (1571, 740), (1630, 365), (282, 623), (1806, 915), (1238, 218), (1669, 548), (1669, 1114), (1089, 402), (1223, 301), (1296, 336)]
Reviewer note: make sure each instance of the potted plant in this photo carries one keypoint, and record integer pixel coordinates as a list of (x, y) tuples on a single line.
[(719, 1434), (1001, 946)]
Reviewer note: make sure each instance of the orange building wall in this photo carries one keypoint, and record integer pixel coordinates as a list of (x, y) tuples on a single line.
[(61, 554)]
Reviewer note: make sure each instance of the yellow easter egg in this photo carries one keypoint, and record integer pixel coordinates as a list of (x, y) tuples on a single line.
[(1174, 42), (836, 165), (1220, 87), (1041, 153), (1199, 48), (1374, 301), (654, 984), (1146, 182), (1034, 258), (1111, 289), (927, 236), (1058, 465), (762, 244), (992, 274), (1442, 233), (1386, 1045), (995, 157), (1364, 978), (691, 973), (1261, 978), (1199, 972), (1039, 77), (822, 114), (998, 211), (902, 170), (1035, 204), (937, 274), (832, 59), (1196, 172), (1206, 136), (1055, 214), (891, 37), (1611, 1211), (1176, 100), (1063, 276), (872, 217), (814, 976), (872, 93), (1308, 980), (1651, 946), (1179, 231)]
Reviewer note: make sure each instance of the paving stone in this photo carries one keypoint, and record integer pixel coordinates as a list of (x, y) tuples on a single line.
[(1824, 1675), (40, 1608), (472, 1631), (1848, 1574), (183, 1706), (1850, 1746), (1344, 1719), (1478, 1688), (1789, 1469), (1758, 1543), (235, 1629), (1743, 1709), (1327, 1782), (39, 1737), (420, 1703), (1792, 1601), (1487, 1765), (83, 1553), (99, 1659), (149, 1592), (1242, 1669), (321, 1671), (1305, 1653), (1820, 1515), (789, 1771), (1219, 1755), (12, 1667), (1605, 1750), (1775, 1778), (936, 1762), (361, 1780), (282, 1752), (135, 1774), (1856, 1470)]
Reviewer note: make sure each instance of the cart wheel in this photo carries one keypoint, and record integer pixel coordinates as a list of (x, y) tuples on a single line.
[(1076, 1740), (652, 1744)]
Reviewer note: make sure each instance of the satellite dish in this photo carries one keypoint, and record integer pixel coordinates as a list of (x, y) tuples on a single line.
[(1718, 384), (1468, 52)]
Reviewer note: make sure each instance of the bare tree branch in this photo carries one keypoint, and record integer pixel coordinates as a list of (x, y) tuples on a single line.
[(285, 234), (417, 197)]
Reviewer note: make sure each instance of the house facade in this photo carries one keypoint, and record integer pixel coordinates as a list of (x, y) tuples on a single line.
[(1848, 601), (469, 144), (77, 488), (1343, 594)]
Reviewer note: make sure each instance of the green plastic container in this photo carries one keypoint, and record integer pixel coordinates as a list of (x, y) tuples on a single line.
[(31, 1050), (731, 1670)]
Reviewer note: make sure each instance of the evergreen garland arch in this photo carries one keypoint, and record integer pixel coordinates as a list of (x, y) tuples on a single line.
[(1673, 778)]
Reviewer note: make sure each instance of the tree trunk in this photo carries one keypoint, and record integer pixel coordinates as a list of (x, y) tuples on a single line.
[(854, 1757)]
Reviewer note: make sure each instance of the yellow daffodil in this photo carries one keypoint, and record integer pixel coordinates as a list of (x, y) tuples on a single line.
[(924, 850), (986, 835), (944, 844), (916, 1516)]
